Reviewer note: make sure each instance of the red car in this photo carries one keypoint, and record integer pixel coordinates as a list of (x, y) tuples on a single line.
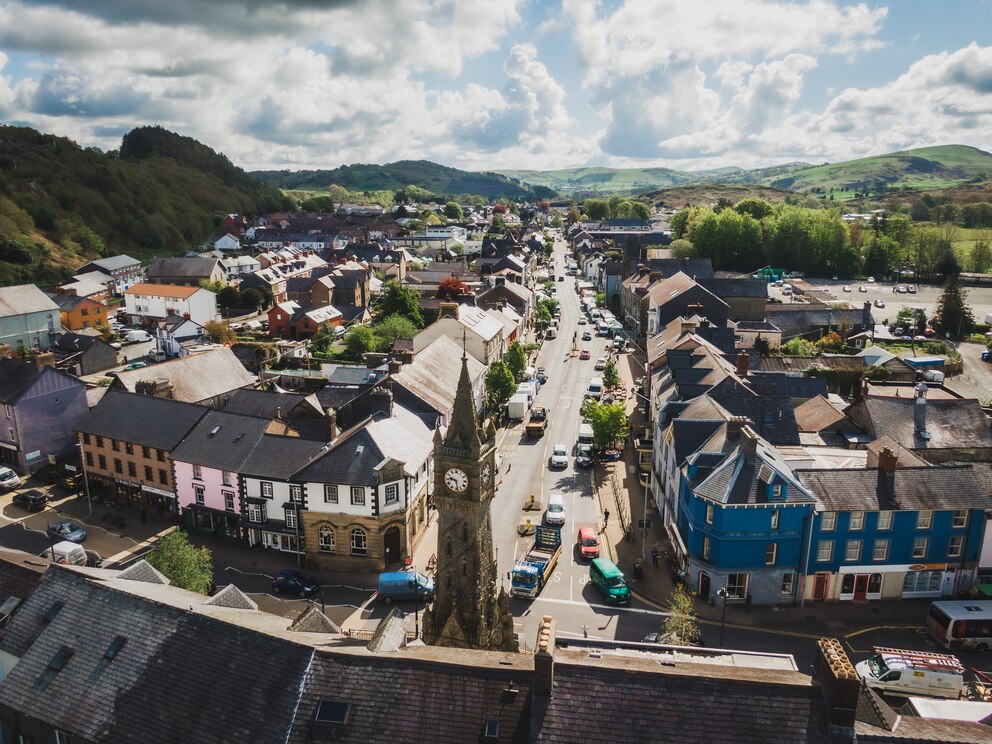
[(584, 354), (588, 542)]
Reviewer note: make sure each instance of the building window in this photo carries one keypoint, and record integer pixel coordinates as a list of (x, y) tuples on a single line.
[(885, 520), (149, 473), (852, 551), (132, 470), (828, 521), (922, 581), (89, 459), (9, 411), (359, 542), (160, 455), (824, 550), (10, 433), (954, 546), (266, 489), (198, 494), (115, 445), (709, 514), (229, 501), (330, 494), (129, 448), (736, 586), (296, 494), (163, 476), (61, 737), (392, 494), (357, 496), (857, 521), (775, 517), (86, 437), (99, 442), (960, 518), (118, 466), (923, 520), (146, 452), (788, 581), (291, 518), (325, 538), (198, 472), (777, 491), (880, 552), (103, 462), (706, 548), (227, 478), (920, 547), (256, 513), (771, 552)]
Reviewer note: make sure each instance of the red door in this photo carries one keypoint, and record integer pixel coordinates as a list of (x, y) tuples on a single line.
[(861, 586)]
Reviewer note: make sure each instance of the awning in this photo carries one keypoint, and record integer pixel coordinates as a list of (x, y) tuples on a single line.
[(673, 533)]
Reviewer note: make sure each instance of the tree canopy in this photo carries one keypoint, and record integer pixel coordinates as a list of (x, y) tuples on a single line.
[(185, 565), (516, 360), (681, 627), (608, 421), (451, 287), (500, 386), (953, 316), (398, 299)]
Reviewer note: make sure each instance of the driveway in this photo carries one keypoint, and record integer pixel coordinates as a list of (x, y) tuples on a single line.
[(976, 380)]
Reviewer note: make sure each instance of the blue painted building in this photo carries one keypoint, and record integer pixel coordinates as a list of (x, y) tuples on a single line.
[(744, 519), (892, 532)]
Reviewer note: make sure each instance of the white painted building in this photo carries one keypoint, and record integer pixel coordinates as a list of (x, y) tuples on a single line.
[(155, 302)]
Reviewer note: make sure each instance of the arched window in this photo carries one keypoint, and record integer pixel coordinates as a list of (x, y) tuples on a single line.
[(325, 538), (359, 542)]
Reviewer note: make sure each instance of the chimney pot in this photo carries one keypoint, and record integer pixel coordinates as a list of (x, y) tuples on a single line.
[(887, 460), (743, 363), (655, 276), (544, 657)]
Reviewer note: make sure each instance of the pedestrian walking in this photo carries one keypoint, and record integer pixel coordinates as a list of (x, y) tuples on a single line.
[(654, 556), (606, 517)]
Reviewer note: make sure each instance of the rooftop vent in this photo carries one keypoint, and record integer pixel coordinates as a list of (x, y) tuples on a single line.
[(53, 612), (114, 648), (213, 432), (60, 659)]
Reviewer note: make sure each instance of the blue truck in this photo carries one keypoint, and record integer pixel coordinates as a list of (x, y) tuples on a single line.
[(534, 570)]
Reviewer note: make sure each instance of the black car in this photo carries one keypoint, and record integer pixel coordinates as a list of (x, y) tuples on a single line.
[(31, 500), (295, 582)]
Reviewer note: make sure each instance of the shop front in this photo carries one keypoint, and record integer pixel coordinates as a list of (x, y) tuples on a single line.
[(916, 581), (161, 501), (219, 523)]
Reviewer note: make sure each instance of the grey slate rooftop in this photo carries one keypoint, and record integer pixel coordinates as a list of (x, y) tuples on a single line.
[(141, 419), (221, 440)]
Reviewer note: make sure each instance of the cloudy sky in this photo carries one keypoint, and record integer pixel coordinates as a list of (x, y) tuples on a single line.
[(493, 84)]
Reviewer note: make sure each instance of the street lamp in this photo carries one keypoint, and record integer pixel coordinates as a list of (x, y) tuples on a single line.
[(722, 593), (86, 480), (415, 585)]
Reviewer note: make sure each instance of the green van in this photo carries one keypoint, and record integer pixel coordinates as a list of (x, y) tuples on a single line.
[(609, 579)]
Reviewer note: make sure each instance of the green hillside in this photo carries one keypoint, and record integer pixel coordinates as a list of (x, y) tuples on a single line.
[(929, 168), (437, 179), (62, 205), (595, 181), (711, 193)]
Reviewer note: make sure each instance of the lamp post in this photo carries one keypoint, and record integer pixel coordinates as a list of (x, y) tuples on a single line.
[(296, 508), (722, 593), (86, 479), (415, 584)]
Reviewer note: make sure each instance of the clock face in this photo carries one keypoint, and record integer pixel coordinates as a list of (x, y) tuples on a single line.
[(456, 480), (487, 473)]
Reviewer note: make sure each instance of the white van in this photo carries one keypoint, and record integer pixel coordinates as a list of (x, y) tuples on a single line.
[(902, 672), (552, 333), (66, 552), (137, 336), (555, 513), (585, 434), (595, 388)]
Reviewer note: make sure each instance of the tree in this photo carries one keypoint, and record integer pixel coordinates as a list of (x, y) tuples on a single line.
[(500, 387), (323, 204), (516, 360), (597, 209), (608, 421), (981, 252), (212, 285), (220, 333), (682, 248), (451, 288), (453, 211), (953, 316), (388, 330), (611, 375), (757, 208), (231, 297), (185, 565), (948, 266), (400, 300), (542, 318), (359, 342), (497, 225), (681, 628)]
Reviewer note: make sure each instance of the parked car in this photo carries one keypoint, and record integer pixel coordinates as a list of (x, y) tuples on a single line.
[(901, 289), (847, 287), (601, 363), (987, 356), (9, 479), (588, 542), (584, 354), (609, 455), (137, 336), (879, 303), (63, 530), (584, 455), (135, 365), (862, 288), (871, 280), (33, 500), (583, 321), (911, 289), (559, 456), (586, 336), (291, 581)]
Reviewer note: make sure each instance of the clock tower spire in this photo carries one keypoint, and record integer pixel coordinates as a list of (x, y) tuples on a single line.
[(469, 610)]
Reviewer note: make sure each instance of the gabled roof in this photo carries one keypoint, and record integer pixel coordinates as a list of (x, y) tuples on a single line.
[(817, 414), (141, 419), (189, 267), (950, 422), (741, 479), (668, 290), (162, 290), (17, 377), (431, 375), (772, 416), (221, 440), (927, 488), (195, 377), (113, 263), (280, 457), (21, 299), (73, 342), (755, 288)]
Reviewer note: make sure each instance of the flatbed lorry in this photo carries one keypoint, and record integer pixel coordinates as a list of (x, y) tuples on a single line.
[(538, 422), (534, 570)]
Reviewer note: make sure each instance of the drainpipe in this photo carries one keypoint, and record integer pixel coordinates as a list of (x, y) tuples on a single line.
[(809, 547)]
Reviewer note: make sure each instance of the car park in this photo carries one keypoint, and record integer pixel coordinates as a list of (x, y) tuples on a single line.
[(64, 530), (559, 456), (8, 478), (32, 500), (290, 581), (584, 354), (587, 543), (601, 363)]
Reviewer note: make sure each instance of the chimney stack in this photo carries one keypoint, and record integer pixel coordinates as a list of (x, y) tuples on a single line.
[(749, 437), (887, 460), (838, 680), (655, 276), (743, 363), (544, 657), (447, 310), (920, 408), (735, 424), (395, 365)]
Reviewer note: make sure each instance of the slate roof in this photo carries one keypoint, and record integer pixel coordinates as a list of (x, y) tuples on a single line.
[(180, 676), (221, 440), (735, 287), (800, 364), (757, 325), (21, 299), (432, 374), (196, 377), (20, 575), (816, 414), (16, 377), (112, 263), (141, 419), (771, 416), (188, 267), (949, 422), (933, 488), (265, 404), (280, 457), (735, 480)]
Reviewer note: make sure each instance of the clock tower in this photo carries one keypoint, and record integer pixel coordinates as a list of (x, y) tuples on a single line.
[(469, 610)]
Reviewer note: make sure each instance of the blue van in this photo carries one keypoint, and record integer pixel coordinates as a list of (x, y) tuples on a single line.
[(398, 585)]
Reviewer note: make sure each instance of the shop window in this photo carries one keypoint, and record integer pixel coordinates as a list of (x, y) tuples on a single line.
[(847, 584), (325, 538), (359, 542), (921, 581), (737, 586), (788, 582), (875, 583)]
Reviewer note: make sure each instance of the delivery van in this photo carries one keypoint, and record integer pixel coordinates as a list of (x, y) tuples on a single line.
[(66, 552), (399, 585), (609, 580), (905, 673), (585, 434), (137, 336)]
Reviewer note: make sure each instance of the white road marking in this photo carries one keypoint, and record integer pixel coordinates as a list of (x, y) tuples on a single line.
[(599, 606)]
